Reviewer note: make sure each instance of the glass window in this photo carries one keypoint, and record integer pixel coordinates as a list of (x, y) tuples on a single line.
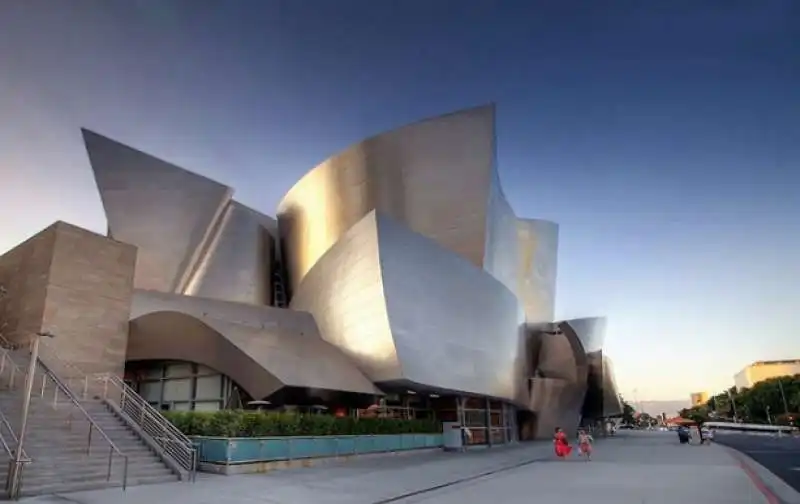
[(151, 373), (150, 391), (207, 406), (181, 406), (178, 390), (209, 387), (179, 370), (205, 370)]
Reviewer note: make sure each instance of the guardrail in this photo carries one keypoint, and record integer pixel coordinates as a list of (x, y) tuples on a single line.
[(8, 438), (60, 386), (112, 388), (174, 442)]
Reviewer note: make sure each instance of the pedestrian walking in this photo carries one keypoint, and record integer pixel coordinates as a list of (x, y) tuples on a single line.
[(585, 441), (561, 444)]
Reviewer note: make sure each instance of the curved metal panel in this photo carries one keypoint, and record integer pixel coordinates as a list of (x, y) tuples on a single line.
[(591, 331), (559, 383), (434, 176), (537, 268), (152, 337), (344, 293), (165, 211), (612, 406), (246, 342), (237, 265), (454, 326), (395, 301), (502, 251), (557, 403)]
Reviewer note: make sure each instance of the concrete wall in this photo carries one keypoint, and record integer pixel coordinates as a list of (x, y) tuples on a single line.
[(77, 285)]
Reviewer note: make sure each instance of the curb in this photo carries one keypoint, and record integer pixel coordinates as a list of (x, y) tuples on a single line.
[(774, 489)]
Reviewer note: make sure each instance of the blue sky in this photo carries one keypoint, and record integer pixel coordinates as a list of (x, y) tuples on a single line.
[(664, 136)]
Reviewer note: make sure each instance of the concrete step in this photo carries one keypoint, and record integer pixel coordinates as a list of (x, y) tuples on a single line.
[(98, 474), (78, 446), (52, 488), (65, 460)]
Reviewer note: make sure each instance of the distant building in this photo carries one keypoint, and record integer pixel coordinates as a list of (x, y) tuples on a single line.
[(698, 398), (764, 370)]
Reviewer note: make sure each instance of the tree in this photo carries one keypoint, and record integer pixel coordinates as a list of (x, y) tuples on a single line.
[(695, 413), (628, 412), (775, 400)]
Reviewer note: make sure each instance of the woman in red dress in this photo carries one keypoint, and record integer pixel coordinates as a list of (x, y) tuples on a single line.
[(561, 444)]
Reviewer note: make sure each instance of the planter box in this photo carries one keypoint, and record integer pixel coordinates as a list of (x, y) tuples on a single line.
[(242, 455)]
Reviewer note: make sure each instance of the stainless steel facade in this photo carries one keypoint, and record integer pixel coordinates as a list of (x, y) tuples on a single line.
[(433, 176), (402, 251), (537, 268), (192, 238), (261, 348), (395, 301)]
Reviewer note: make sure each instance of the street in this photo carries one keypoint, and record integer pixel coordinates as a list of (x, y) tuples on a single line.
[(780, 455)]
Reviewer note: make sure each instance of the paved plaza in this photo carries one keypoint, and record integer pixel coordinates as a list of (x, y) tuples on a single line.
[(635, 468)]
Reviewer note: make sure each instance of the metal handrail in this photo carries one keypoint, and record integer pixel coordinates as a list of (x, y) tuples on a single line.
[(174, 442), (92, 425), (6, 425)]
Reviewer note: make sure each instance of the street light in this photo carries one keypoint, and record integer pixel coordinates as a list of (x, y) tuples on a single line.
[(15, 471), (783, 397)]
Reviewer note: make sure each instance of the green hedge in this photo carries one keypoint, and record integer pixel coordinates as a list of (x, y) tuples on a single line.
[(239, 423)]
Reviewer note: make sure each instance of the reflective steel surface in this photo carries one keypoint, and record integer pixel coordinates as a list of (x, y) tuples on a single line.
[(404, 250), (537, 268), (395, 301), (261, 348), (238, 263), (191, 237), (162, 209), (602, 398), (559, 382), (433, 176)]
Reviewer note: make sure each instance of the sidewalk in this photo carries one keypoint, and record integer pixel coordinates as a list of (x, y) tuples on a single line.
[(637, 467)]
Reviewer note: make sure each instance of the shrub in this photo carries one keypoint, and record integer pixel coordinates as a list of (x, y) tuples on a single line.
[(241, 423)]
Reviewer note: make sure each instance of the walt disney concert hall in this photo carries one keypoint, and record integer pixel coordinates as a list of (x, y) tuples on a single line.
[(395, 279)]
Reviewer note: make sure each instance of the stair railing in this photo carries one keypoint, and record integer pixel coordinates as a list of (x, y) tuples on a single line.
[(8, 366), (8, 438), (93, 426), (174, 442)]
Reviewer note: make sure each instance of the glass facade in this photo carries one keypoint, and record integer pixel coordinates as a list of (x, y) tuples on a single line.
[(180, 386)]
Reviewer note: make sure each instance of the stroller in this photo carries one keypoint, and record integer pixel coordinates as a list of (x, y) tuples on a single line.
[(683, 435)]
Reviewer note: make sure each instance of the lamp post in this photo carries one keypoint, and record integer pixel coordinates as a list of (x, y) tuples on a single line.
[(733, 404), (783, 397), (15, 471)]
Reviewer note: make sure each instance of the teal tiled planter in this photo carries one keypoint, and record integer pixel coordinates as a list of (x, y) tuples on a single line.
[(232, 451)]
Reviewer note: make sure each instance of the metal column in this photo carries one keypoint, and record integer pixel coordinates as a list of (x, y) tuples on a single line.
[(488, 421)]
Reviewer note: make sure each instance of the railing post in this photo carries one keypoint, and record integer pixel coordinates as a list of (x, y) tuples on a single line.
[(26, 403), (89, 441), (125, 474), (110, 460)]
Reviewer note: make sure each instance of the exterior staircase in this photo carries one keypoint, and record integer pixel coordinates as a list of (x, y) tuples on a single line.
[(81, 437)]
